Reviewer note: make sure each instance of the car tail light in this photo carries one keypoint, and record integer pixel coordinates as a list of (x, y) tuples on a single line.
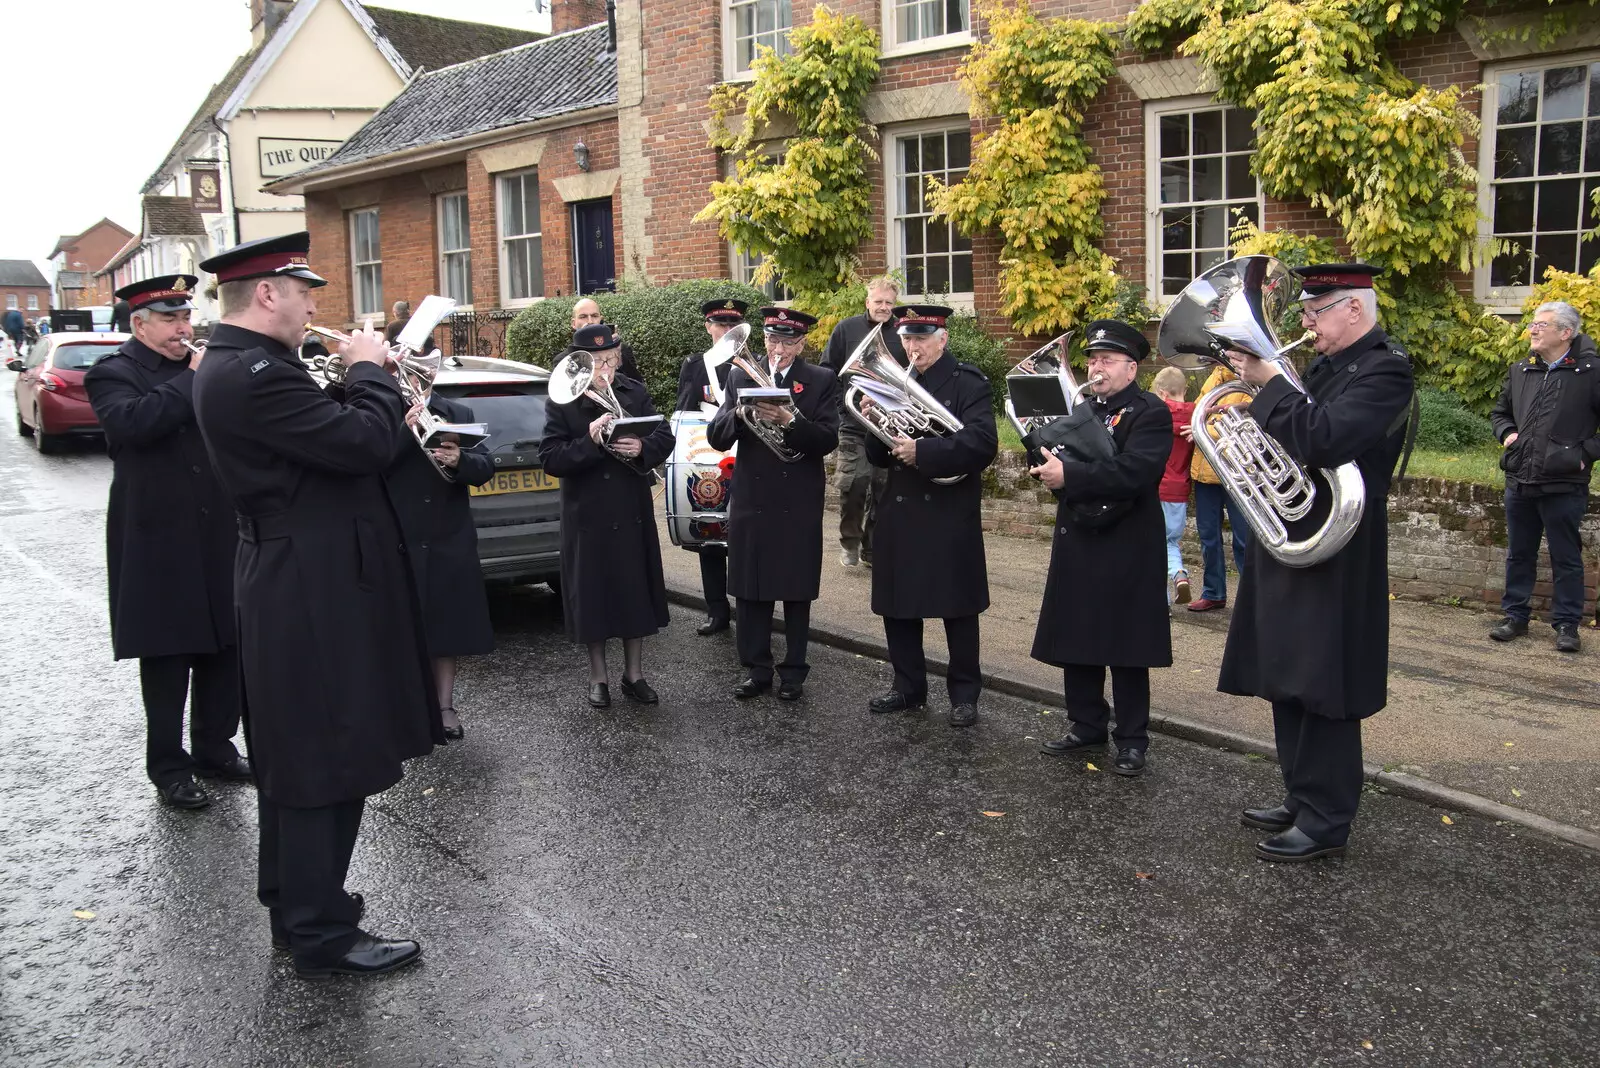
[(51, 382)]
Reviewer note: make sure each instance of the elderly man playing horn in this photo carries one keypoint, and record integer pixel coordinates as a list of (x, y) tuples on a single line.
[(1315, 640), (1108, 551), (928, 558)]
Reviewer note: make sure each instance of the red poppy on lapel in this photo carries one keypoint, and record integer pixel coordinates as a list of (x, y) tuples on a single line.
[(799, 387)]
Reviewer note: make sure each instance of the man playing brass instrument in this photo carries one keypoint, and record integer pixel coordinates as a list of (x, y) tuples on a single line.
[(928, 560), (1315, 640), (775, 520), (1108, 552)]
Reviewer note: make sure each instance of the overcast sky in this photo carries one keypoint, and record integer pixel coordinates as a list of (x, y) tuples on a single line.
[(99, 90)]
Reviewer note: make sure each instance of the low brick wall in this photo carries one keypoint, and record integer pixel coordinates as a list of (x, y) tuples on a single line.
[(1447, 540)]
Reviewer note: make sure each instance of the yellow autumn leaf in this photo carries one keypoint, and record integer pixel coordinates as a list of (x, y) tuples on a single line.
[(1515, 792), (1510, 744), (1446, 819), (1366, 1043), (1091, 767), (83, 914), (427, 792), (993, 815)]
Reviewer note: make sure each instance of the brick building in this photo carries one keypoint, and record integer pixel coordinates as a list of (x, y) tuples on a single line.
[(24, 287), (77, 259), (1175, 162)]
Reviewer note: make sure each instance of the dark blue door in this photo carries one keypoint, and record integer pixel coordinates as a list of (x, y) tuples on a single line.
[(593, 248)]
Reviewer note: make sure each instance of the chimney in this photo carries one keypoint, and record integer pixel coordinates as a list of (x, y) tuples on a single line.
[(265, 18), (575, 14)]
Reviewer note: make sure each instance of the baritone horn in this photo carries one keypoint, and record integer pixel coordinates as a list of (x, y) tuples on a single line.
[(1301, 516), (900, 407), (573, 377), (734, 346)]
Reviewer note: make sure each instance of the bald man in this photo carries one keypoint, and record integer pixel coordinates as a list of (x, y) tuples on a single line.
[(587, 313)]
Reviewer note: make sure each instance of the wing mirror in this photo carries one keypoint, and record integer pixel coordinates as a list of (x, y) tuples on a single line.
[(13, 364)]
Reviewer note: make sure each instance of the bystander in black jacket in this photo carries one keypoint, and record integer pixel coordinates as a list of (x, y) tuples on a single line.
[(928, 560), (1554, 412), (170, 531), (1319, 635), (1105, 600), (775, 519), (338, 688), (611, 581), (842, 343)]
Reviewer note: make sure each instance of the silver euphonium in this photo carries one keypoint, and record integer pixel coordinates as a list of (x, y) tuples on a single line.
[(912, 412), (734, 346), (573, 377), (1048, 359), (1302, 517)]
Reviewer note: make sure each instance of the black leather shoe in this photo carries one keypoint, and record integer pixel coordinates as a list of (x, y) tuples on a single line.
[(456, 733), (235, 770), (1567, 640), (894, 701), (1268, 819), (369, 956), (751, 688), (1294, 845), (712, 625), (1071, 742), (281, 941), (791, 691), (183, 793), (639, 690), (599, 695), (1508, 628), (1129, 762), (963, 715)]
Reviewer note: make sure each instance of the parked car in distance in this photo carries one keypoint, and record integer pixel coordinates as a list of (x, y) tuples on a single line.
[(51, 401), (518, 512)]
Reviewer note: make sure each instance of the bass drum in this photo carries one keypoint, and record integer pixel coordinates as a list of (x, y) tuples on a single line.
[(699, 484)]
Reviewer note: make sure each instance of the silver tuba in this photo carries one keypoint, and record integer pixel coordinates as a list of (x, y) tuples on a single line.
[(734, 346), (911, 412), (1048, 360), (573, 377), (1302, 517)]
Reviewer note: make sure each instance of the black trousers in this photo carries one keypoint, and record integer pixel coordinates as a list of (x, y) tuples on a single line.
[(1083, 688), (1322, 774), (754, 639), (714, 580), (165, 682), (303, 860), (964, 679)]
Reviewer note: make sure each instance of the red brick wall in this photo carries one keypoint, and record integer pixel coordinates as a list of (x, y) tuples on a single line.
[(22, 293), (90, 252), (575, 14), (409, 233)]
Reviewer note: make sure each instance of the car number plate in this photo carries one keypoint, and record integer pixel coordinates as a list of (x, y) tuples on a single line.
[(516, 482)]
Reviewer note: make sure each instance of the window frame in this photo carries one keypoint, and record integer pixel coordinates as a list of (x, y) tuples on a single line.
[(501, 237), (445, 254), (963, 301), (13, 303), (1508, 300), (1153, 111), (730, 68), (33, 302), (894, 46), (742, 268), (356, 265)]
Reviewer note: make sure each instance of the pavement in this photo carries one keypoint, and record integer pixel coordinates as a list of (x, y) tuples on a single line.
[(1516, 724), (717, 883)]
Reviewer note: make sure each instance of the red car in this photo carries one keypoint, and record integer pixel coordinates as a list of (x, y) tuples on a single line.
[(51, 400)]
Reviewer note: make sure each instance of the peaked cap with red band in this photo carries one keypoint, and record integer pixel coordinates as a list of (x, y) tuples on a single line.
[(921, 318), (1320, 278), (786, 323), (268, 257), (166, 292), (725, 310)]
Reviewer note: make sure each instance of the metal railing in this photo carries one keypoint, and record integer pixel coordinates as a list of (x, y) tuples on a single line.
[(475, 333)]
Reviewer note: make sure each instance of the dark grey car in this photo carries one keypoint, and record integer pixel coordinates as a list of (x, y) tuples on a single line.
[(518, 512)]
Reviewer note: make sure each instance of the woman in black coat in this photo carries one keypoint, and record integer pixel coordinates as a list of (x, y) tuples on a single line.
[(611, 581), (442, 544)]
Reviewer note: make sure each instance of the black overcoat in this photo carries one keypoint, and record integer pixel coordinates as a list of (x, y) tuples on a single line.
[(927, 546), (1320, 635), (170, 532), (693, 385), (1105, 599), (611, 582), (337, 686), (775, 519), (441, 539)]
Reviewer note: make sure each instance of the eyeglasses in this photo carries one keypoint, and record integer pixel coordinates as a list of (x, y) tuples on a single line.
[(1108, 358), (1308, 312), (607, 361), (1537, 327)]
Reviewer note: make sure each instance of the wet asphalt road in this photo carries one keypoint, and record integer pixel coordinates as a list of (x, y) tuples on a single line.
[(716, 883)]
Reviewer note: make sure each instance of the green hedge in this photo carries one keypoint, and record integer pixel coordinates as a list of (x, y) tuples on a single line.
[(661, 324), (1448, 424)]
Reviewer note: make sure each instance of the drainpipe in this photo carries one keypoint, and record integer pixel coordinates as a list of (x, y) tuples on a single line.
[(227, 162), (611, 26)]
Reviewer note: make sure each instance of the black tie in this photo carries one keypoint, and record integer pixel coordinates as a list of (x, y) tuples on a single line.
[(778, 381)]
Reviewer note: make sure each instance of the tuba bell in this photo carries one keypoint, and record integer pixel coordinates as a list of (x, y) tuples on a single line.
[(1041, 397), (734, 346), (901, 408), (1302, 517)]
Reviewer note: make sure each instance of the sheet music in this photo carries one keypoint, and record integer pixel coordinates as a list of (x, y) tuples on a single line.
[(886, 397), (427, 316)]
